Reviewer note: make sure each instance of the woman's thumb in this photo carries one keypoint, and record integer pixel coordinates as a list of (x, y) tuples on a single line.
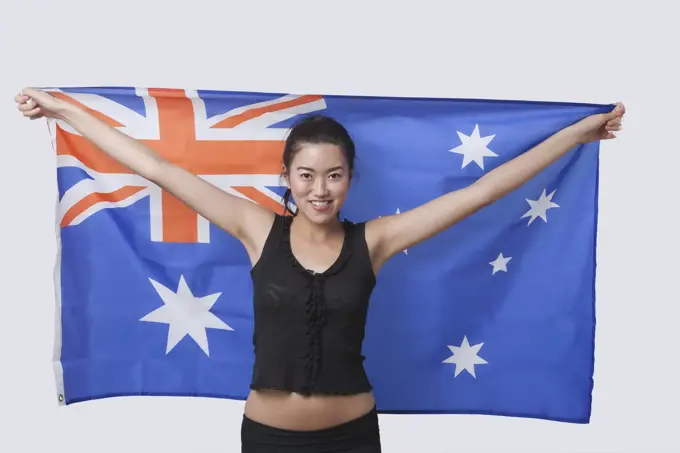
[(37, 95), (30, 92), (618, 110)]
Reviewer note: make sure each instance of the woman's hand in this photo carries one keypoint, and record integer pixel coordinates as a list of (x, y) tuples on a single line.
[(599, 126), (36, 104)]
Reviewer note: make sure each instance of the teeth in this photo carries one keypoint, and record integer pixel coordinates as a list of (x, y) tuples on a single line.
[(320, 203)]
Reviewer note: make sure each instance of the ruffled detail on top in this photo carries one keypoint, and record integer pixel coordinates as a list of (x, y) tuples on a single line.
[(315, 303)]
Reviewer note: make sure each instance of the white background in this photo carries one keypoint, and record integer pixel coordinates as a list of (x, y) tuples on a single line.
[(565, 51)]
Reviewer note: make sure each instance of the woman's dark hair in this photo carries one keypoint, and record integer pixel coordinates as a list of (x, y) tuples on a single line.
[(316, 129)]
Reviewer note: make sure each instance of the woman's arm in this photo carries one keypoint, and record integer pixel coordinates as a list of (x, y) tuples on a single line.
[(241, 218), (389, 235)]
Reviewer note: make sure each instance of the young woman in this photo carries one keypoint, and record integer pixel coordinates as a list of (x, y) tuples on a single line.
[(313, 273)]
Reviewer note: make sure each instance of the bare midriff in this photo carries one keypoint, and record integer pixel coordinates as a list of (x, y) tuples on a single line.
[(293, 411)]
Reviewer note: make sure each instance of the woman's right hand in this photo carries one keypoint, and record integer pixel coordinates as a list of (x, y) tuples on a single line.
[(35, 104)]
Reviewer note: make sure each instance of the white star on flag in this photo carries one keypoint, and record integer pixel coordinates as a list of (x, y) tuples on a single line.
[(474, 148), (500, 263), (185, 314), (540, 207), (465, 357)]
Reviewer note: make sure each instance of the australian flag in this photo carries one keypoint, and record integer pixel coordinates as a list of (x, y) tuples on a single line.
[(496, 315)]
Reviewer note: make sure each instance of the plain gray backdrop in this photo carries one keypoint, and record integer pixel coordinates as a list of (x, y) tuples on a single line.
[(562, 51)]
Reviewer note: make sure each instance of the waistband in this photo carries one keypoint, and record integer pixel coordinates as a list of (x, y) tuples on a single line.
[(361, 434)]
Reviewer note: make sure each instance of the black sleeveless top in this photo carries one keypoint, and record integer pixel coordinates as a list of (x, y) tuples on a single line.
[(309, 327)]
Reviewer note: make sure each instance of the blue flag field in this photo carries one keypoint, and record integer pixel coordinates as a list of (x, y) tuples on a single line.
[(496, 315)]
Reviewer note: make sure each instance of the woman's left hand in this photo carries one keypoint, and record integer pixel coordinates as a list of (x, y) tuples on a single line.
[(601, 126)]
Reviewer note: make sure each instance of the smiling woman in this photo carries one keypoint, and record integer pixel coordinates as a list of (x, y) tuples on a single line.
[(320, 177), (313, 274), (318, 161)]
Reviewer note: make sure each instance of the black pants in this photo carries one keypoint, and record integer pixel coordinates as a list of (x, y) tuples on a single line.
[(361, 435)]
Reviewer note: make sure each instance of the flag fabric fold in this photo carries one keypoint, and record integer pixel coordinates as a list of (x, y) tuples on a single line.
[(495, 315)]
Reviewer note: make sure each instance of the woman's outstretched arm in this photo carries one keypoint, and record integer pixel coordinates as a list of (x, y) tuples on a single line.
[(247, 221), (389, 235)]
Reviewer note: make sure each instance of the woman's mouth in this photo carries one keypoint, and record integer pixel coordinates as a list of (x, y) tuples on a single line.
[(321, 205)]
